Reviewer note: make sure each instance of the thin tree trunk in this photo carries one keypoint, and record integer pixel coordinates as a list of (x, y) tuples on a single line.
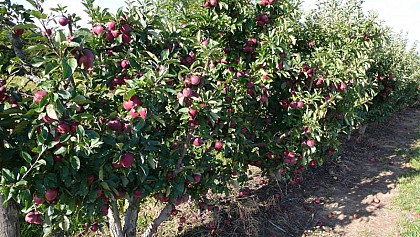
[(131, 216), (163, 216), (114, 220), (9, 219)]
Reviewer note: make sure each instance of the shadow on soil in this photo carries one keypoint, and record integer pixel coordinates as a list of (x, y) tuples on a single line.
[(350, 189)]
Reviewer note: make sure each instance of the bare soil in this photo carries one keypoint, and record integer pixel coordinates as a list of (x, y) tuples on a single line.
[(350, 196)]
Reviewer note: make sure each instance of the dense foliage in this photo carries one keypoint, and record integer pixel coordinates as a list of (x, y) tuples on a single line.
[(172, 99)]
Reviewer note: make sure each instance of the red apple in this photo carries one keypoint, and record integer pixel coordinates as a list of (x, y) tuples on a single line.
[(187, 92), (115, 33), (137, 193), (143, 113), (196, 178), (310, 143), (63, 21), (33, 217), (111, 25), (38, 200), (192, 112), (197, 141), (195, 80), (127, 160), (115, 125), (47, 119), (105, 209), (86, 59), (126, 38), (51, 194), (97, 30), (218, 145), (109, 37), (125, 63), (39, 95), (213, 3), (125, 28), (47, 32), (18, 32), (63, 127), (90, 179), (93, 227), (58, 158)]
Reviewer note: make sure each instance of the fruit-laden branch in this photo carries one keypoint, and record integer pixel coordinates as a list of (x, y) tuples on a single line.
[(17, 44), (153, 226)]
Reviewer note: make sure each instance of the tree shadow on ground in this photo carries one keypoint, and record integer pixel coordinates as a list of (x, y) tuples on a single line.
[(348, 196)]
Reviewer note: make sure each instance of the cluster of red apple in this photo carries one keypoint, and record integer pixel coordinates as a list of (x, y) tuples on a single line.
[(112, 32), (262, 19), (209, 3), (267, 2)]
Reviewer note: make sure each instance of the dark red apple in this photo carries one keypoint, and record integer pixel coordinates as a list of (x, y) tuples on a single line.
[(58, 158), (63, 127), (125, 28), (90, 179), (127, 159), (126, 38), (86, 59), (47, 32), (197, 178), (114, 125), (51, 194), (38, 200), (94, 227), (18, 32), (63, 21), (137, 193), (105, 209)]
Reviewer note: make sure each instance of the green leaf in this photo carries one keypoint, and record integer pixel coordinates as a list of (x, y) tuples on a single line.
[(26, 156), (24, 26), (59, 37), (61, 150), (80, 99), (75, 162), (69, 67), (51, 112)]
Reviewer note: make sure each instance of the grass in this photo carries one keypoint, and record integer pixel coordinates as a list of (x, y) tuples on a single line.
[(408, 200)]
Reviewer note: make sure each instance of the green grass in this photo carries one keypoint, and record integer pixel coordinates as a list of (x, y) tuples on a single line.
[(408, 198)]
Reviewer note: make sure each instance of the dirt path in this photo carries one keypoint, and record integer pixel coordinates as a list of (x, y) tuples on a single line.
[(361, 184), (349, 197)]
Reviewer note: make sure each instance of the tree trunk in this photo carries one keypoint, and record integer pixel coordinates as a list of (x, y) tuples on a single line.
[(115, 220), (9, 219), (131, 216)]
